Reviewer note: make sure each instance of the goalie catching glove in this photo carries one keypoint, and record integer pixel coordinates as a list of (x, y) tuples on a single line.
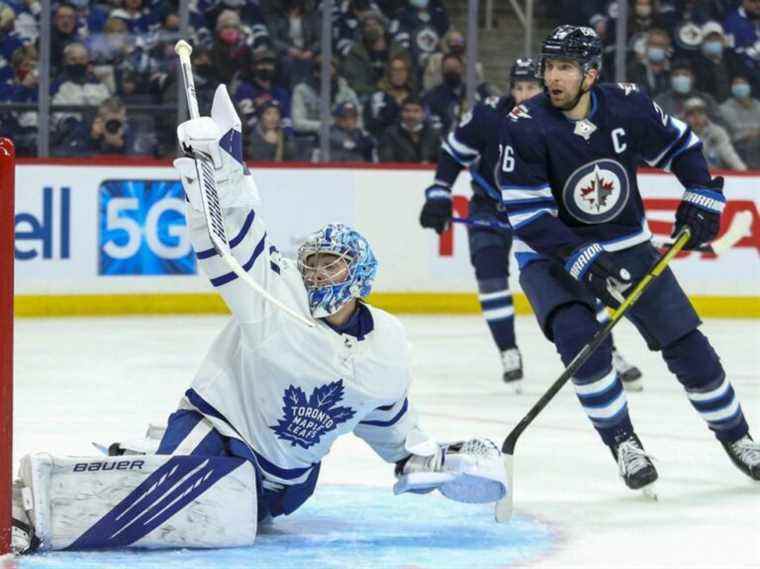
[(465, 471)]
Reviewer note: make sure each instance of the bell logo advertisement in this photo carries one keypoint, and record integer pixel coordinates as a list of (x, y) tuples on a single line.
[(142, 229)]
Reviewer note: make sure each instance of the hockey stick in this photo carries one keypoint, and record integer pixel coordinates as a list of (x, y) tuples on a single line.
[(204, 165), (505, 506), (740, 227)]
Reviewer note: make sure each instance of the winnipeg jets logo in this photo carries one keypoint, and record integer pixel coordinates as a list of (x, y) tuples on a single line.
[(304, 421), (519, 112), (597, 192)]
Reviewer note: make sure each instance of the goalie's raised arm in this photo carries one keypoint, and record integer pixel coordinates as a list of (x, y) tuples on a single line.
[(225, 227)]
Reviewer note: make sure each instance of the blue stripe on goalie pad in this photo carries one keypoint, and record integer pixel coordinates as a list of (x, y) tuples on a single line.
[(171, 487)]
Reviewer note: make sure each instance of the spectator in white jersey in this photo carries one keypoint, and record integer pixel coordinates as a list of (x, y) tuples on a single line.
[(280, 384)]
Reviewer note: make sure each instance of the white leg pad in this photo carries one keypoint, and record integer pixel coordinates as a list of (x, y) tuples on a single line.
[(151, 501)]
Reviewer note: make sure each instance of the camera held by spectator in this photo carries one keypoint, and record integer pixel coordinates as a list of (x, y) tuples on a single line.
[(108, 133)]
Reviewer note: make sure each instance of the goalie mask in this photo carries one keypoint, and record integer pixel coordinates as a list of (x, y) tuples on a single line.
[(348, 274)]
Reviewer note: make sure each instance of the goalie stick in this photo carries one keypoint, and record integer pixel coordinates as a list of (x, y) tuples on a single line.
[(505, 506), (740, 227), (204, 165)]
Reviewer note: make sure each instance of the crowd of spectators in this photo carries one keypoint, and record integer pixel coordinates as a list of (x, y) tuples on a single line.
[(698, 59), (397, 76)]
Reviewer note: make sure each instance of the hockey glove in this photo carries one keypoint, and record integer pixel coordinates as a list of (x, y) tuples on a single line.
[(466, 471), (437, 211), (598, 269), (700, 209)]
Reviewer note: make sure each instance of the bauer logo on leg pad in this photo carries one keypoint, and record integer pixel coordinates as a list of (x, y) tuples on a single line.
[(109, 465), (157, 501)]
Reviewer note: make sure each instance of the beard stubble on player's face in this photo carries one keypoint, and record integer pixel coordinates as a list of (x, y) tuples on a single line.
[(565, 82)]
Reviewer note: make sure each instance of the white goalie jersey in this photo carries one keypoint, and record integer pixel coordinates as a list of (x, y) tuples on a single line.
[(284, 389)]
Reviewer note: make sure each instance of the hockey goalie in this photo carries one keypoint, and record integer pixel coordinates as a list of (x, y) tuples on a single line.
[(272, 395)]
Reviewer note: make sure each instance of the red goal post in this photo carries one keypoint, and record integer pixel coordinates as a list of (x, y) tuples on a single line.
[(7, 173)]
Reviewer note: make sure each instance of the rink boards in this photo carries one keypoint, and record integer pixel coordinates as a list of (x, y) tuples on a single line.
[(95, 237)]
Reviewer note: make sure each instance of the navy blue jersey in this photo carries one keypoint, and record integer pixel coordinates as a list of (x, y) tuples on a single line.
[(565, 183), (473, 145)]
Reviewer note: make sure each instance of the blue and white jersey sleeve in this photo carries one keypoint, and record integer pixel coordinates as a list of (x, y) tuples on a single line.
[(662, 138), (386, 429), (669, 143), (248, 240), (461, 148)]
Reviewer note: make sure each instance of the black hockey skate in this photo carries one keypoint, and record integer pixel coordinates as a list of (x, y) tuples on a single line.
[(745, 454), (635, 465), (511, 361), (628, 373)]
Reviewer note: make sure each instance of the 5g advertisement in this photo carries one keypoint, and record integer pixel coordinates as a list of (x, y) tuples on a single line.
[(120, 230)]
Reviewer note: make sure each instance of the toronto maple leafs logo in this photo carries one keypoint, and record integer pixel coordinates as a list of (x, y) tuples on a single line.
[(304, 421), (597, 192)]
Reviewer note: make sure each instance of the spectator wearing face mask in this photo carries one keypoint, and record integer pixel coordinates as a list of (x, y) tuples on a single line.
[(741, 114), (419, 28), (365, 64), (269, 142), (452, 42), (446, 102), (230, 51), (682, 88), (716, 144), (250, 16), (715, 66), (256, 84), (412, 139), (743, 30), (652, 73)]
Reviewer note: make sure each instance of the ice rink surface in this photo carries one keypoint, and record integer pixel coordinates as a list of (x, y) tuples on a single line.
[(83, 380)]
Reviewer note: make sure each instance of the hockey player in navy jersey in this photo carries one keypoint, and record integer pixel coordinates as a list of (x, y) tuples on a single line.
[(567, 177), (472, 145), (269, 400)]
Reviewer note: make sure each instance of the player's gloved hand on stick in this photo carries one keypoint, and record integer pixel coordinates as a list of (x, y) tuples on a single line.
[(465, 471), (198, 136), (700, 209), (600, 271), (437, 211)]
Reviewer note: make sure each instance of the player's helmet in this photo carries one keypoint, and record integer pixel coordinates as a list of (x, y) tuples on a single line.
[(344, 242), (578, 43), (523, 69)]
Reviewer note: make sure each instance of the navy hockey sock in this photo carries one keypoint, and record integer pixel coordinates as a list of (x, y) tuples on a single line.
[(498, 310), (696, 365), (597, 385)]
